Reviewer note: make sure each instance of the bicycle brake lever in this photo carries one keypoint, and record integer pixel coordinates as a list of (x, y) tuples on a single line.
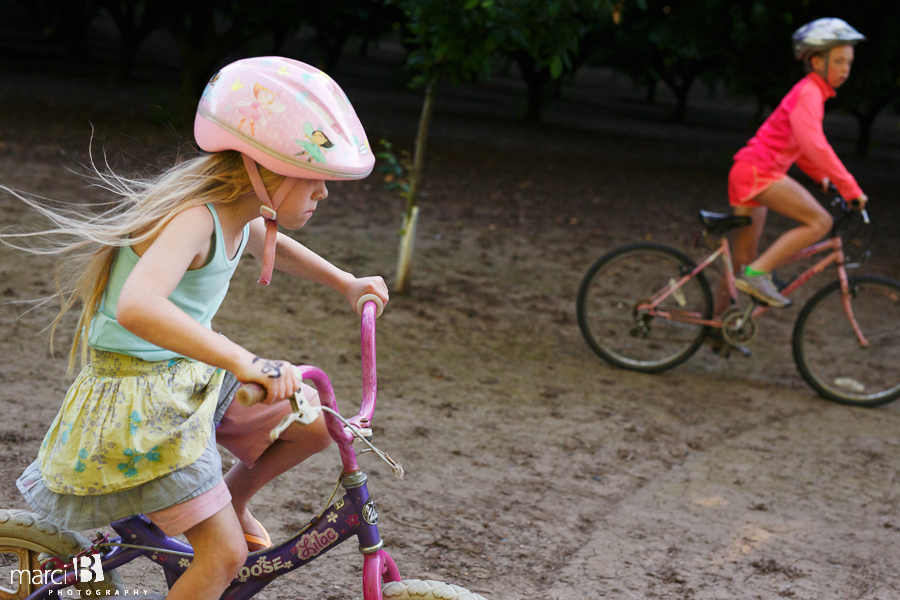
[(306, 412), (301, 412)]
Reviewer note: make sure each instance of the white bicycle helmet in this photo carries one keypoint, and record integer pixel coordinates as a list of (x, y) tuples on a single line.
[(822, 35)]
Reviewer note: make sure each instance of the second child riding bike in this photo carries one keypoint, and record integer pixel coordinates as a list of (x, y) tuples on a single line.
[(647, 307)]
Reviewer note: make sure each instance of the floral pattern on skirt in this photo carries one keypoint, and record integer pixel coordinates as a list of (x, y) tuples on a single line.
[(126, 421)]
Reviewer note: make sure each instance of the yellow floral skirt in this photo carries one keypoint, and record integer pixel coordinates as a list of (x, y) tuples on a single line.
[(127, 421)]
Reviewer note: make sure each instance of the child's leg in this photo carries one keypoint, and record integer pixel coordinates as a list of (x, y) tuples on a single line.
[(789, 198), (219, 553), (744, 248), (295, 445)]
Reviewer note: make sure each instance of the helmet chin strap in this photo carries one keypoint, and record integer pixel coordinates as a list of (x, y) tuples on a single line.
[(824, 72), (268, 210)]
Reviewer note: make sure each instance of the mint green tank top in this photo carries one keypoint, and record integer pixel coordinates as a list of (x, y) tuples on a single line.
[(199, 293)]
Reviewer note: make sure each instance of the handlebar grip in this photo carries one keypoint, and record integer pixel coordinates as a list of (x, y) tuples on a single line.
[(855, 203), (249, 394), (370, 298)]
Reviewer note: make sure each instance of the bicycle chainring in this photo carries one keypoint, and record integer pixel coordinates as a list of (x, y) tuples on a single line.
[(736, 329)]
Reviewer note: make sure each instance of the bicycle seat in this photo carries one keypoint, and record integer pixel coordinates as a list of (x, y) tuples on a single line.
[(719, 224)]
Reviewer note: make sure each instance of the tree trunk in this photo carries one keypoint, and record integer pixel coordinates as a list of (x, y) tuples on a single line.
[(135, 21), (535, 80), (200, 47), (652, 84), (411, 217), (681, 86), (866, 116)]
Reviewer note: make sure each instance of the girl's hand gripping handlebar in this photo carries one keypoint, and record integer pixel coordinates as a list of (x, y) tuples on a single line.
[(249, 394)]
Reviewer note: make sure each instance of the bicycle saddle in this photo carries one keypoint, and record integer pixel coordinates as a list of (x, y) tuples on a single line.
[(718, 224)]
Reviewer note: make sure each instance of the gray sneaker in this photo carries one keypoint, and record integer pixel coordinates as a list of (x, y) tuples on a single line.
[(762, 288)]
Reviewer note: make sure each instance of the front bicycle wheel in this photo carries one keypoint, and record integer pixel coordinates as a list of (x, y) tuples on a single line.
[(827, 350), (26, 541), (618, 283), (425, 589)]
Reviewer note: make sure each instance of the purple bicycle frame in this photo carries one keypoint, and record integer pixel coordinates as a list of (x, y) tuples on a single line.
[(354, 514), (836, 257)]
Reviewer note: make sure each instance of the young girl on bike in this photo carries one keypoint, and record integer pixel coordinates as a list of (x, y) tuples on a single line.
[(137, 430), (792, 133)]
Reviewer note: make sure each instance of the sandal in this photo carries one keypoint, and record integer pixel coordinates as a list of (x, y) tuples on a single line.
[(265, 542)]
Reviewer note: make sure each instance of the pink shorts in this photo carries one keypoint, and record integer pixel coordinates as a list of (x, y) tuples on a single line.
[(244, 431), (746, 181)]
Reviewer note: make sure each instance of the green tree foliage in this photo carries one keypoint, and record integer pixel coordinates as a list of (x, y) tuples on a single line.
[(205, 31), (673, 41), (64, 21), (336, 23), (135, 21), (546, 39), (759, 60), (451, 40)]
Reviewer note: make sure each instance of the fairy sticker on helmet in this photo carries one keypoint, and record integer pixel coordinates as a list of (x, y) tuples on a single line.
[(256, 110), (314, 144)]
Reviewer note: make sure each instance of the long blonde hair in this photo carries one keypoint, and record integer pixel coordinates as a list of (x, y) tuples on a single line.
[(88, 241)]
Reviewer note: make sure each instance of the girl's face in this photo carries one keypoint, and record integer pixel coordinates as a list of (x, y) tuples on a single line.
[(265, 97), (840, 60), (298, 206)]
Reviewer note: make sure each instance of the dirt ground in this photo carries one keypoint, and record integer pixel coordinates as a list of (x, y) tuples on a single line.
[(533, 468)]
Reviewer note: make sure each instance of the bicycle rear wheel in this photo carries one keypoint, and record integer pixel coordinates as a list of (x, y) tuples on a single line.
[(26, 541), (827, 350), (609, 296)]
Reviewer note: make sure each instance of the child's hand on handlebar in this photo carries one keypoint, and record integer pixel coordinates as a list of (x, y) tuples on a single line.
[(280, 378), (826, 185), (366, 285), (859, 203)]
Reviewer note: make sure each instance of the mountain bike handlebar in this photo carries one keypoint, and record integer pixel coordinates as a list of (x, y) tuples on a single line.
[(847, 206)]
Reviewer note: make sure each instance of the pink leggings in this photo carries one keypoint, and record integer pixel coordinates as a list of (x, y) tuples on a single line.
[(244, 431)]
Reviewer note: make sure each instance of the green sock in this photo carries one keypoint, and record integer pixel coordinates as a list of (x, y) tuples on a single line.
[(753, 272)]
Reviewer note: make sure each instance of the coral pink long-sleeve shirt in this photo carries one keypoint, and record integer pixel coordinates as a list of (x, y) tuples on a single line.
[(793, 133)]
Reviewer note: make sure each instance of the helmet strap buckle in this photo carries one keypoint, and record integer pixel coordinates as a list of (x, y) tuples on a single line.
[(268, 213)]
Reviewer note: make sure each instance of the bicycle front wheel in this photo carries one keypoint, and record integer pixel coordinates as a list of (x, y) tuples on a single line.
[(827, 350), (618, 283), (425, 589)]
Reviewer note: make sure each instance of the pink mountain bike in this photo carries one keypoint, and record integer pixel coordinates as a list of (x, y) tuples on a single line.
[(40, 561), (647, 307)]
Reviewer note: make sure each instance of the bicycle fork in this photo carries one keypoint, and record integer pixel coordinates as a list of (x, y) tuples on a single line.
[(378, 565), (846, 294)]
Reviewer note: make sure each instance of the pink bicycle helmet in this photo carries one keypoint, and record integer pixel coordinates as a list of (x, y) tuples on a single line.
[(289, 117)]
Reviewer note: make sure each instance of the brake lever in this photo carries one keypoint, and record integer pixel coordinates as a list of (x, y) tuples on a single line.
[(301, 412)]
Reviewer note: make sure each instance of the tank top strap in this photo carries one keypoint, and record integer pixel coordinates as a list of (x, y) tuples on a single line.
[(221, 252)]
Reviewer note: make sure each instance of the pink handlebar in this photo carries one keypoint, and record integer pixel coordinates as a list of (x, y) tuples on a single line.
[(249, 394)]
